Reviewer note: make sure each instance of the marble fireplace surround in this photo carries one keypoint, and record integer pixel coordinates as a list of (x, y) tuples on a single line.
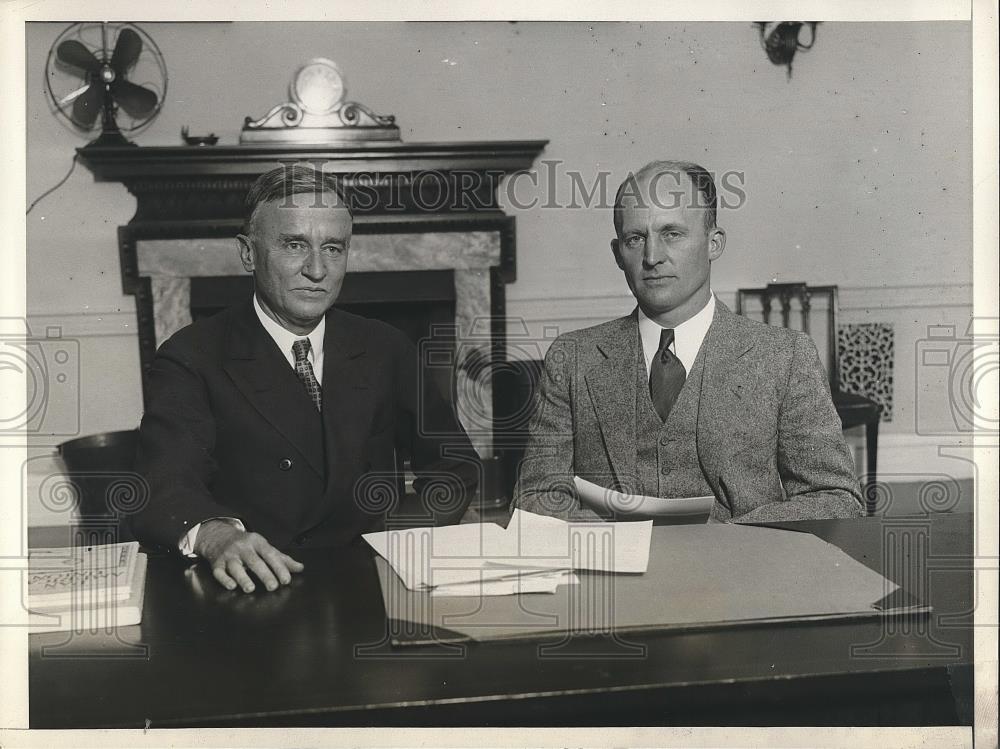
[(170, 264)]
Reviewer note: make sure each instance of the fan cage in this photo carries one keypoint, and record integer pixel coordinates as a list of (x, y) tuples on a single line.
[(106, 34)]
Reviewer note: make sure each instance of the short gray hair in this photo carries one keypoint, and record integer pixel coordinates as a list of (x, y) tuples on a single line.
[(292, 179), (700, 177)]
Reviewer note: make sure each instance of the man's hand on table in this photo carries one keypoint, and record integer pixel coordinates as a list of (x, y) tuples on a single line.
[(231, 552)]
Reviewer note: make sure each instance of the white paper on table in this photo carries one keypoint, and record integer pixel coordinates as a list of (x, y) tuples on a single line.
[(428, 558), (511, 585), (603, 500), (541, 541), (449, 554), (478, 553)]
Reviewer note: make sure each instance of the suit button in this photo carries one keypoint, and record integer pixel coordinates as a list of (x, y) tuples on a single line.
[(285, 464), (665, 441), (665, 470)]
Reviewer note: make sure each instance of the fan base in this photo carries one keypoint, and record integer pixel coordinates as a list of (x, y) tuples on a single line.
[(109, 138)]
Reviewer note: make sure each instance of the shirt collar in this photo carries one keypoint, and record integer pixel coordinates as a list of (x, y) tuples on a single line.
[(285, 338), (688, 336)]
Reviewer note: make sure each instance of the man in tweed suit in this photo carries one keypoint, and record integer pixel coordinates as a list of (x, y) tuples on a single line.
[(682, 397)]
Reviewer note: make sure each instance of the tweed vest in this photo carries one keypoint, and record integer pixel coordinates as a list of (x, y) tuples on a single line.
[(666, 452)]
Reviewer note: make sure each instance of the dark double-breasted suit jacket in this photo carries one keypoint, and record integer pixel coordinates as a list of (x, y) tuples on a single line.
[(768, 439), (229, 431)]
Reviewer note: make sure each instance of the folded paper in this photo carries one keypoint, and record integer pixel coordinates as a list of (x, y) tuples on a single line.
[(492, 558)]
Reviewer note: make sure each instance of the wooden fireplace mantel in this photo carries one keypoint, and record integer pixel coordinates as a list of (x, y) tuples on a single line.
[(126, 163), (209, 182)]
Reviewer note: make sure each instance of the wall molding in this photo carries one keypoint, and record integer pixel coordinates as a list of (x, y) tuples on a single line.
[(601, 307), (866, 298), (548, 309), (905, 457), (95, 324)]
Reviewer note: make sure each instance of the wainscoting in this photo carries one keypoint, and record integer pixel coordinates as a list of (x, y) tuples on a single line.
[(921, 444)]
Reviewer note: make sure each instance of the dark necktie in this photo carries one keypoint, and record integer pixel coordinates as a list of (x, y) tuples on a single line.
[(305, 372), (666, 376)]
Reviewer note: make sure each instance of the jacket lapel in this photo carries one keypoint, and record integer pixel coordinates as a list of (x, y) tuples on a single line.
[(611, 384), (262, 374), (725, 386), (347, 396)]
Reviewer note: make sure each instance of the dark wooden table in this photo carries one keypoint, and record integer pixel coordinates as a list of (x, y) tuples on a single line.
[(317, 653)]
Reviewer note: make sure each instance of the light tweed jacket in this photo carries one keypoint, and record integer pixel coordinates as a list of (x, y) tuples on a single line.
[(769, 440)]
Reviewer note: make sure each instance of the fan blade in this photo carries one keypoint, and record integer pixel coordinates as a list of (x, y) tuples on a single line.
[(87, 106), (135, 100), (127, 50), (76, 54), (74, 94)]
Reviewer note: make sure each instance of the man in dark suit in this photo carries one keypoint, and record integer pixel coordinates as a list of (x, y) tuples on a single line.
[(274, 424), (682, 397)]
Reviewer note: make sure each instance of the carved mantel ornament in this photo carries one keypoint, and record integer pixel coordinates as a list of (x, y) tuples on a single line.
[(317, 112)]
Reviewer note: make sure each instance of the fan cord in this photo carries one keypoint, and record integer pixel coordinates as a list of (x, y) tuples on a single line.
[(55, 187)]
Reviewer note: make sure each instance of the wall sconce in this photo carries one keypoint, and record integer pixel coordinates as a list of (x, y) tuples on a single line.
[(783, 41)]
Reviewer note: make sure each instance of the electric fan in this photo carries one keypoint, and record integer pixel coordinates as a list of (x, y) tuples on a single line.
[(111, 70)]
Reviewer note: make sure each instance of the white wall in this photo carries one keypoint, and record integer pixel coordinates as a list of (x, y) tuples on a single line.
[(857, 170)]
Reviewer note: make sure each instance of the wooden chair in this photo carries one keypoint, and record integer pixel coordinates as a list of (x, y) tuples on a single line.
[(797, 301), (101, 467)]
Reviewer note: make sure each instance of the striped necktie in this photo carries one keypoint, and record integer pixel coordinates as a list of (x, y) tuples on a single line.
[(303, 368), (666, 376)]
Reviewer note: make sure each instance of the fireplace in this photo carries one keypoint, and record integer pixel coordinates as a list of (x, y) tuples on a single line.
[(431, 251)]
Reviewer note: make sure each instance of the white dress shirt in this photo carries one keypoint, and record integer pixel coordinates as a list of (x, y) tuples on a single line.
[(687, 336), (285, 339)]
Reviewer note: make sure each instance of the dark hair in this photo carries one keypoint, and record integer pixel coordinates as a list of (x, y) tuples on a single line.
[(292, 179), (700, 177)]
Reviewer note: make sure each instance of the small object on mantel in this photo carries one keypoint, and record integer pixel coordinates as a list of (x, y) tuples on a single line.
[(317, 113), (199, 140)]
